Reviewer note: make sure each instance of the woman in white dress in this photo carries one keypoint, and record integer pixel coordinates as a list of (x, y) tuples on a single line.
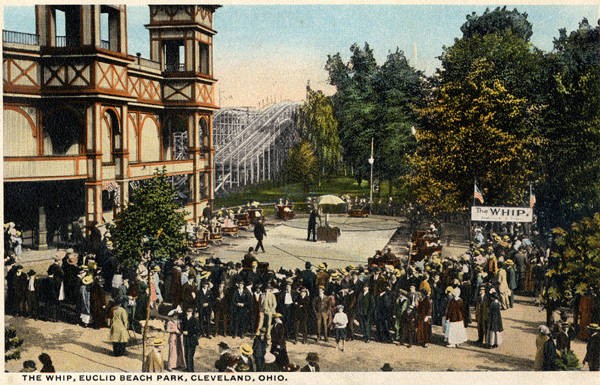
[(456, 333)]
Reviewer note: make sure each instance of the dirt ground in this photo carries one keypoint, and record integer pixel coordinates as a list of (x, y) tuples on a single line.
[(78, 349)]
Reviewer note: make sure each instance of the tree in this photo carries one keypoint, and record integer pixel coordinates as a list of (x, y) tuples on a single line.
[(400, 91), (301, 166), (570, 189), (12, 344), (574, 265), (499, 20), (375, 103), (354, 105), (318, 126), (482, 118), (149, 230)]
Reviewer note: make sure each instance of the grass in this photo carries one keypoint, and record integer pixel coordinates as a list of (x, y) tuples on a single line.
[(269, 192)]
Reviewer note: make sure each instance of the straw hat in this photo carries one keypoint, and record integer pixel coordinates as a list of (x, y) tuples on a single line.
[(156, 268), (88, 279), (277, 315), (205, 274), (246, 349), (321, 266), (269, 358), (593, 326)]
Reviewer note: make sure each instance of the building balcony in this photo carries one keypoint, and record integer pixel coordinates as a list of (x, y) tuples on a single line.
[(20, 38)]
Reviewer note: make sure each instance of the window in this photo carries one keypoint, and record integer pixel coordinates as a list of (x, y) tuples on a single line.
[(204, 50)]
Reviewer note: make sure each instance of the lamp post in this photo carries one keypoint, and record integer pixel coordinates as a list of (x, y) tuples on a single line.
[(371, 161)]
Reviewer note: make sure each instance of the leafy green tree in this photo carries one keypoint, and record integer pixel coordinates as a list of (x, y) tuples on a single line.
[(574, 265), (12, 344), (301, 166), (149, 230), (570, 188), (355, 105), (464, 136), (375, 103), (400, 91), (500, 20), (482, 118), (318, 125)]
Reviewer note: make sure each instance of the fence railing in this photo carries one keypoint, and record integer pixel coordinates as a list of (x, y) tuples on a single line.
[(20, 38), (175, 67), (66, 41)]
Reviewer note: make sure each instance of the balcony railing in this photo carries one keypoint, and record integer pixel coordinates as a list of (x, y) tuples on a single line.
[(149, 63), (175, 67), (20, 38), (66, 41)]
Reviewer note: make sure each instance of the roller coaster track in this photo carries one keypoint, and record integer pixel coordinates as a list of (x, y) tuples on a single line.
[(251, 146)]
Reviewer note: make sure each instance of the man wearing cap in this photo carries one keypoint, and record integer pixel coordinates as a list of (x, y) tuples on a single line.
[(287, 308), (190, 328), (246, 360), (309, 279), (592, 355), (302, 305), (21, 283), (259, 234), (222, 309), (321, 306), (267, 307), (482, 313), (312, 224), (511, 277), (240, 304), (204, 304), (383, 314), (365, 305)]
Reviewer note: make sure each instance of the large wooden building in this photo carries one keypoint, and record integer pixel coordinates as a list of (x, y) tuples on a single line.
[(84, 121)]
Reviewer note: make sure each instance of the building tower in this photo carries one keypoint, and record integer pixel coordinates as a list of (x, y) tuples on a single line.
[(84, 122)]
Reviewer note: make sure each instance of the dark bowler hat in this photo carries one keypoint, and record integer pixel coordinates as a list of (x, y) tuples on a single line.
[(386, 367)]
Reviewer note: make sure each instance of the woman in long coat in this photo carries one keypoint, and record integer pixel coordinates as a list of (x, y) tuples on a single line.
[(98, 303), (494, 331), (503, 288), (424, 319), (176, 354), (118, 330)]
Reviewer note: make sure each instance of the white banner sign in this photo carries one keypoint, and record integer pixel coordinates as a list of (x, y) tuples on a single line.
[(501, 214)]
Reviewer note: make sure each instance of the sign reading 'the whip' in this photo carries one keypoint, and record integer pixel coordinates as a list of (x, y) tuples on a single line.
[(501, 214)]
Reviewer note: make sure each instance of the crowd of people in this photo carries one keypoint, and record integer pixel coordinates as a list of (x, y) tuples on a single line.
[(206, 297)]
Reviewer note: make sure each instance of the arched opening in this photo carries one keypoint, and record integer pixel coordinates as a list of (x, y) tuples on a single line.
[(64, 129), (175, 138), (111, 136), (204, 132)]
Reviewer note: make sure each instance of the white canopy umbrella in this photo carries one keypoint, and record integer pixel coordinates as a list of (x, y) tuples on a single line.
[(329, 200)]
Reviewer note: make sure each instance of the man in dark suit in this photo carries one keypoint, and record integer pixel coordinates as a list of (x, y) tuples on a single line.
[(191, 332), (365, 305), (278, 346), (204, 306), (240, 306), (312, 225), (286, 305), (302, 313), (259, 234)]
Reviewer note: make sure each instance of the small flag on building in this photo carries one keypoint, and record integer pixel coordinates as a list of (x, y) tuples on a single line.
[(477, 194)]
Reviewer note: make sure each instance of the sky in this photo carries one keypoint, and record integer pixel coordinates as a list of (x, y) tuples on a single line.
[(266, 53)]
